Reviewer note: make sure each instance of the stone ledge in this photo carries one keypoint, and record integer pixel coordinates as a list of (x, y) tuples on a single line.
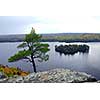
[(52, 76)]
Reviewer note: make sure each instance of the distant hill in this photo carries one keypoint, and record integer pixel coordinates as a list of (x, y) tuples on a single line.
[(12, 38), (65, 37)]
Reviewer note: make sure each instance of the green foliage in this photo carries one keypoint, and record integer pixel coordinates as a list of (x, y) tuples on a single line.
[(33, 49), (20, 55), (32, 37), (23, 45)]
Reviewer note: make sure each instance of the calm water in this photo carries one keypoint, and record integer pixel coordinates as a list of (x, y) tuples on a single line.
[(89, 62)]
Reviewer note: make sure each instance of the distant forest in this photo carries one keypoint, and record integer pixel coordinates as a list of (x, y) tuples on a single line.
[(57, 37)]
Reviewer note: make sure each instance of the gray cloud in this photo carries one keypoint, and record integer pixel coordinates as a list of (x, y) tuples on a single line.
[(15, 24)]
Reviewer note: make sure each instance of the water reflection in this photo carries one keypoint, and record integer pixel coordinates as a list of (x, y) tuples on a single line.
[(80, 53)]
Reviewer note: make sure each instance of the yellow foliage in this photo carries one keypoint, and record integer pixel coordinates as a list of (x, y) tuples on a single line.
[(12, 71)]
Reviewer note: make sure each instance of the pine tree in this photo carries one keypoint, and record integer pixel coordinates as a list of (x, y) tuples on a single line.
[(32, 49)]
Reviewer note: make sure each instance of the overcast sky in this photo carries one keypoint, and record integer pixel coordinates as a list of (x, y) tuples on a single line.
[(23, 24), (49, 16)]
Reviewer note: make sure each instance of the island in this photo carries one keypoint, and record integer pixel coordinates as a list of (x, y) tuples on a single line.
[(72, 49)]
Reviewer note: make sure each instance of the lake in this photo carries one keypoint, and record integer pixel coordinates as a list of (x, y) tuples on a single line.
[(87, 62)]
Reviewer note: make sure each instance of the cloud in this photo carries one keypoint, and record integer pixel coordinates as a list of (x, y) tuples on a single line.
[(49, 24), (68, 24), (15, 24)]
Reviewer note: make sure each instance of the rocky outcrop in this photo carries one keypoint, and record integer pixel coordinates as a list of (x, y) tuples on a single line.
[(52, 76), (2, 75)]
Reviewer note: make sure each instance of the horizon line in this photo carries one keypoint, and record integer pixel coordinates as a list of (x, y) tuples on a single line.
[(55, 33)]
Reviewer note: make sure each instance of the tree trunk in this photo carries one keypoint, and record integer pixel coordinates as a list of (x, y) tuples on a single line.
[(33, 63)]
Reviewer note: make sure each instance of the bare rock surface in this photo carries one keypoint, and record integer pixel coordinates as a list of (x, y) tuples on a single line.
[(52, 76)]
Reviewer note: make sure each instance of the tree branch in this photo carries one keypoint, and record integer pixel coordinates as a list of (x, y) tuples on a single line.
[(27, 58)]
